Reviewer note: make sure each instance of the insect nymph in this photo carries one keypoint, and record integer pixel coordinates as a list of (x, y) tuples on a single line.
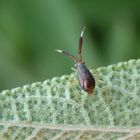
[(86, 79)]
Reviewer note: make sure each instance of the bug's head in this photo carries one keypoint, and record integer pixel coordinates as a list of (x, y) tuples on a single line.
[(78, 63)]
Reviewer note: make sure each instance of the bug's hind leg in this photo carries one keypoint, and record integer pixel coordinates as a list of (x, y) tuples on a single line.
[(102, 85), (105, 93)]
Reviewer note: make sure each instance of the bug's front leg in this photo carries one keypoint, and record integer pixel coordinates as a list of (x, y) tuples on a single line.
[(74, 69)]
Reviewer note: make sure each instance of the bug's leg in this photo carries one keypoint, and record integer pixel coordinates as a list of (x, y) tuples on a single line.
[(104, 87), (95, 75), (73, 69), (67, 54), (101, 84), (80, 44), (105, 93)]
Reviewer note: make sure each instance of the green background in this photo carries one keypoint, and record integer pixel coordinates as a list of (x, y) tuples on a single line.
[(31, 30)]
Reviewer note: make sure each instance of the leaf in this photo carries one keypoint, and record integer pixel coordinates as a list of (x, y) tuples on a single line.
[(60, 109)]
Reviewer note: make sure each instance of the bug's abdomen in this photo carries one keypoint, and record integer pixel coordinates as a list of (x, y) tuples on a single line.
[(88, 85), (86, 79)]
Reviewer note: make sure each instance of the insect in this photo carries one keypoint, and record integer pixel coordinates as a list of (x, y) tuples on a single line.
[(86, 79)]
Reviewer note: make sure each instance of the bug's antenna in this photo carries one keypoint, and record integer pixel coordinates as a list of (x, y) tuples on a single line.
[(80, 44), (67, 54)]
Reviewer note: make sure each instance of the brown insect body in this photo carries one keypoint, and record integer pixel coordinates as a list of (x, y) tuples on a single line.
[(86, 80)]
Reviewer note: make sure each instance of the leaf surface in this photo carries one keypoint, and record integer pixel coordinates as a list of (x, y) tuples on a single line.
[(59, 109)]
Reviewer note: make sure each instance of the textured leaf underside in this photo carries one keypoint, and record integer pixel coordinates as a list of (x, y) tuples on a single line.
[(59, 109)]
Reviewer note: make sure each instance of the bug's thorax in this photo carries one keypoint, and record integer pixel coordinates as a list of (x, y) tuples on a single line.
[(79, 63), (80, 66)]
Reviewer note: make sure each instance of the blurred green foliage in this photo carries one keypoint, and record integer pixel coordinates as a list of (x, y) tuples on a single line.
[(31, 30)]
